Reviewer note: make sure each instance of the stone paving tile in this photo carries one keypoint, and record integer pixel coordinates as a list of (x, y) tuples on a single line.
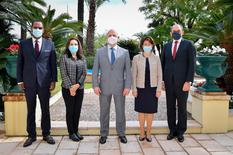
[(132, 153), (222, 139), (153, 151), (153, 144), (130, 147), (230, 148), (201, 136), (230, 134), (6, 148), (22, 152), (170, 146), (45, 148), (161, 137), (88, 148), (65, 152), (176, 153), (196, 151), (221, 153), (212, 145), (110, 145), (131, 138), (189, 142), (109, 152), (31, 147), (68, 144), (14, 139), (91, 139)]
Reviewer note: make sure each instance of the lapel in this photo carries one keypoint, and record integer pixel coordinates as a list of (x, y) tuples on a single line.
[(118, 55), (179, 50), (42, 47), (169, 49), (106, 54), (31, 47)]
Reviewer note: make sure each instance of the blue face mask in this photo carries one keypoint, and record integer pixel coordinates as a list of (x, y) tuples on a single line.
[(176, 35), (37, 33), (73, 49), (147, 48)]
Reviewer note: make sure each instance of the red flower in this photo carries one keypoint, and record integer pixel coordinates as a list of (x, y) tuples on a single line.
[(13, 49)]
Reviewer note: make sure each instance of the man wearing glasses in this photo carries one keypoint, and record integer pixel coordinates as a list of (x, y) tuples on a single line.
[(37, 75)]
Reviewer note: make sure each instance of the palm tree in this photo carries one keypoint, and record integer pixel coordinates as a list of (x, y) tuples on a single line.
[(81, 18), (93, 6)]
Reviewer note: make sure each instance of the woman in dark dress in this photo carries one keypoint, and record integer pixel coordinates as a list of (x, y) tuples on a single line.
[(146, 86), (73, 74)]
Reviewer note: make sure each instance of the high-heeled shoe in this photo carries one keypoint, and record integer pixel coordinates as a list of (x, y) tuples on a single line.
[(149, 139), (142, 138)]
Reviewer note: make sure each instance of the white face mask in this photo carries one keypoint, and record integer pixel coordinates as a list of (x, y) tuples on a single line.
[(112, 40)]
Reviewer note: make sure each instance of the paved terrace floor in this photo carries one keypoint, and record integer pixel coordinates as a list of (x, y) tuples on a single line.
[(194, 144)]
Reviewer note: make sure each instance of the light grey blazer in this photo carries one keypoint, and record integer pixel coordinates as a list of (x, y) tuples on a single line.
[(114, 78), (139, 67)]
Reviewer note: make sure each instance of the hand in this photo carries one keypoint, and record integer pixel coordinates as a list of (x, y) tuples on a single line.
[(72, 91), (21, 85), (52, 86), (76, 86), (97, 90), (158, 94), (135, 93), (163, 86), (186, 86), (126, 92)]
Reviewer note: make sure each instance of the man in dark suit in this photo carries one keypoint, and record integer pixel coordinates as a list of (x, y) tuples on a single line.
[(37, 75), (178, 63)]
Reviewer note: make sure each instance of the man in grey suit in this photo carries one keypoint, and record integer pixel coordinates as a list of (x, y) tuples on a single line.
[(112, 77)]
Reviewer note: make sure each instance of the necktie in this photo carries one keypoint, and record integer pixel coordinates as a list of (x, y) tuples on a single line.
[(112, 56), (174, 50), (37, 50)]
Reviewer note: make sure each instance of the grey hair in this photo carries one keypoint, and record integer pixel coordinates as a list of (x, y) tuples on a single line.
[(181, 27), (111, 30)]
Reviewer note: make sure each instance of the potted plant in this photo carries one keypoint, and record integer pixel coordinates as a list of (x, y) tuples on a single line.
[(11, 66), (212, 64)]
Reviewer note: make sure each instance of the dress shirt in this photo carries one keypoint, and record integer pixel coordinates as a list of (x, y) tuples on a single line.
[(178, 44), (39, 42), (110, 51)]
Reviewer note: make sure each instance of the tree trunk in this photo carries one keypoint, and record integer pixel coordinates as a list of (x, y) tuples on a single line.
[(81, 18), (91, 28)]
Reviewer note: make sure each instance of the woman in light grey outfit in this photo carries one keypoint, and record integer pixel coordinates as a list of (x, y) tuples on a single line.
[(146, 86)]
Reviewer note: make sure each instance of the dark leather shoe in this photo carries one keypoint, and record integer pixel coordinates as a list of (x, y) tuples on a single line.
[(102, 140), (180, 138), (170, 136), (79, 136), (74, 137), (49, 139), (141, 138), (29, 141), (149, 139), (123, 139)]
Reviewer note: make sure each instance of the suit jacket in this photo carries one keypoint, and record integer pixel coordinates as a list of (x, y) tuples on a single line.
[(183, 67), (36, 71), (139, 71), (72, 71), (113, 78)]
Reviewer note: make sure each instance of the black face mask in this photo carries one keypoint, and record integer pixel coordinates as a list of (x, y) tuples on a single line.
[(176, 35)]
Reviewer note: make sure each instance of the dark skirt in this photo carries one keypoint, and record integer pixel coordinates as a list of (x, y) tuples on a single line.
[(146, 101)]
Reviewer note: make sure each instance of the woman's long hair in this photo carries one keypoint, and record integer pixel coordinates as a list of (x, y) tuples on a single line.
[(79, 53)]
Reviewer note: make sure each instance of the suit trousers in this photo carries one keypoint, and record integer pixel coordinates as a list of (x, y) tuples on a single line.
[(73, 109), (175, 93), (44, 95), (105, 102)]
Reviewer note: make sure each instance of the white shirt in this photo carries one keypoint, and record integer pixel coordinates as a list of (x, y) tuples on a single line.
[(39, 42), (178, 44), (110, 51)]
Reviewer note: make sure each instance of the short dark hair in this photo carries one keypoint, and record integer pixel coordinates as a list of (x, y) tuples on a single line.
[(37, 20), (79, 54), (150, 39)]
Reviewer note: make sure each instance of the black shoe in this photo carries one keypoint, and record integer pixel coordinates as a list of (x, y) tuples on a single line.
[(102, 140), (123, 139), (49, 139), (180, 138), (149, 139), (29, 141), (80, 137), (170, 136), (74, 137), (141, 138)]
